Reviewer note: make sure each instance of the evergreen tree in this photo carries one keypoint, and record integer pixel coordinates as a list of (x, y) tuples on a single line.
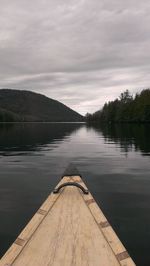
[(125, 109)]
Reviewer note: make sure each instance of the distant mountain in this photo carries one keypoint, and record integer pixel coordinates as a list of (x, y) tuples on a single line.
[(27, 106)]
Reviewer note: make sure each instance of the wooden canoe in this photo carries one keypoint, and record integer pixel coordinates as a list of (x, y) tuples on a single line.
[(69, 229)]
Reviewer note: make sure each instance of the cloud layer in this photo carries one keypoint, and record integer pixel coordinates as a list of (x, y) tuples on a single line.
[(82, 53)]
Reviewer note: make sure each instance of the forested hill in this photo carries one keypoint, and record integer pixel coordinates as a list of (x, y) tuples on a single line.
[(18, 105), (125, 109)]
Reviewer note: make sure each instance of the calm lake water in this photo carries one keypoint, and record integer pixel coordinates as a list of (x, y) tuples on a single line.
[(114, 162)]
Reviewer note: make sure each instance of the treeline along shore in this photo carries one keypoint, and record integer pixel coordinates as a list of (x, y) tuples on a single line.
[(125, 109)]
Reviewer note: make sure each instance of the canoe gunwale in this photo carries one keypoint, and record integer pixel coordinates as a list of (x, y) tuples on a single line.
[(104, 226), (24, 237), (109, 234)]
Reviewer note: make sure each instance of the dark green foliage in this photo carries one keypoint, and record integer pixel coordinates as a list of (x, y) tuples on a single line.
[(6, 115), (27, 106), (125, 110)]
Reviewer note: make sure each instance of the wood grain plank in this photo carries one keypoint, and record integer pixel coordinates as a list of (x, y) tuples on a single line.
[(67, 236), (69, 229), (127, 262), (31, 227), (108, 232)]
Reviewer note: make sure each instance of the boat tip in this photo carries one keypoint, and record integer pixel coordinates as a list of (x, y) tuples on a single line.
[(71, 170)]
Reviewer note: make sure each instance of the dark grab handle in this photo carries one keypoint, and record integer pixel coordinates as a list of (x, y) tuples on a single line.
[(85, 191)]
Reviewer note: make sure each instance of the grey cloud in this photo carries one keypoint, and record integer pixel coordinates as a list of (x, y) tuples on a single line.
[(82, 53)]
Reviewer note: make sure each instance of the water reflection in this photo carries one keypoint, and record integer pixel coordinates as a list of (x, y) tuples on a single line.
[(33, 157), (24, 137), (29, 171), (128, 136)]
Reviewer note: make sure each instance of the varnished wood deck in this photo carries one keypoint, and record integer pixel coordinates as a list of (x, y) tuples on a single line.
[(69, 229)]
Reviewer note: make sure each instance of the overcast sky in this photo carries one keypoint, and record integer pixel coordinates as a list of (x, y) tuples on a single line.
[(81, 53)]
